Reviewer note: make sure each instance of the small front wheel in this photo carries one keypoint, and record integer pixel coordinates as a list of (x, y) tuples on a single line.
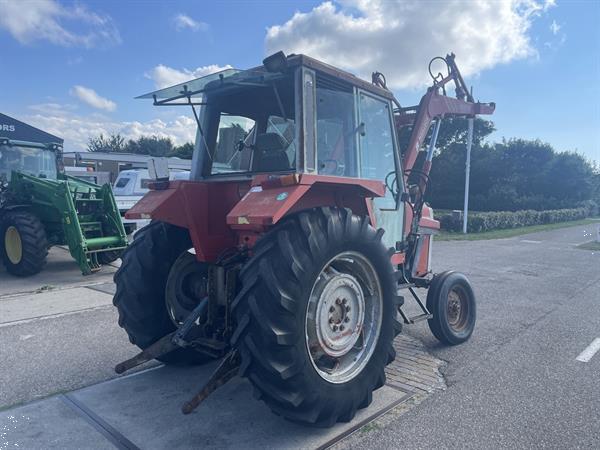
[(452, 302)]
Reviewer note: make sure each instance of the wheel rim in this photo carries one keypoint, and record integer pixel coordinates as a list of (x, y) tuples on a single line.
[(458, 308), (343, 318), (187, 286), (13, 245)]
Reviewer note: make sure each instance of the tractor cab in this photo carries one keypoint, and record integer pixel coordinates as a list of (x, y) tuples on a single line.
[(291, 115), (38, 160), (294, 116)]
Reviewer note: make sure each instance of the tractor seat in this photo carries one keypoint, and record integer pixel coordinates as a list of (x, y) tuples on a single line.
[(269, 153)]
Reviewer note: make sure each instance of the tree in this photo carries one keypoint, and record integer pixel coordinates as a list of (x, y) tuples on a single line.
[(511, 175), (452, 130), (110, 143), (150, 145), (184, 151)]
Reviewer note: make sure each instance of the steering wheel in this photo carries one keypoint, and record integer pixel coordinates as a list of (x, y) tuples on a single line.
[(390, 186)]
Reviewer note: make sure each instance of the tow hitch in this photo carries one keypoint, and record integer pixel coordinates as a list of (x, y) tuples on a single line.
[(182, 338)]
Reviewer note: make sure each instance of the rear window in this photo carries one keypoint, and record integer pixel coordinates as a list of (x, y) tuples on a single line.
[(144, 183), (122, 182)]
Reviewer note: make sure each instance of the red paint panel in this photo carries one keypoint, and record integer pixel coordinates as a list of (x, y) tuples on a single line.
[(398, 258), (372, 188), (201, 207), (425, 221), (260, 208), (219, 217), (429, 223), (149, 203)]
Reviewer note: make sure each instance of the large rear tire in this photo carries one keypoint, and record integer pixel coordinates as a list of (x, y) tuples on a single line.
[(24, 243), (317, 315), (141, 283)]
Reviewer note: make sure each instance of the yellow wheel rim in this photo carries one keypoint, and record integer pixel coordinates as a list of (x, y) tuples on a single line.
[(13, 245)]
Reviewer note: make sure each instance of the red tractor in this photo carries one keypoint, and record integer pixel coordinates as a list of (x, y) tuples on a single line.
[(288, 252)]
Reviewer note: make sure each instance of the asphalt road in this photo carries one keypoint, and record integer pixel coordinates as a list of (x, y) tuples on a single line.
[(60, 271), (516, 383), (57, 336)]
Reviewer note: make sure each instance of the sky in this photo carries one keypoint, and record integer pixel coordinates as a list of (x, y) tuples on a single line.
[(74, 68)]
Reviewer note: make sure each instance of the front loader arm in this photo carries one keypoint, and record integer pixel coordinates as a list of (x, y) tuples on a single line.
[(433, 107)]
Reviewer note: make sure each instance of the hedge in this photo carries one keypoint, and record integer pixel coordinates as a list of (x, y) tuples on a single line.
[(488, 221)]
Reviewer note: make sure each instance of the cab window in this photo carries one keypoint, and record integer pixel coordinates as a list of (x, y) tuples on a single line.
[(251, 128), (229, 157), (286, 129), (336, 132), (376, 141)]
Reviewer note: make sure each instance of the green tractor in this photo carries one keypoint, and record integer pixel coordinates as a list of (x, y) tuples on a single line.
[(40, 207)]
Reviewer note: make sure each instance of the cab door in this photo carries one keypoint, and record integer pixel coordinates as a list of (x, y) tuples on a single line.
[(378, 160)]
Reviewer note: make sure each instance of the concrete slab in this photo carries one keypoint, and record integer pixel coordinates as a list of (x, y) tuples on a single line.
[(29, 306), (107, 288), (144, 410), (48, 424), (60, 270)]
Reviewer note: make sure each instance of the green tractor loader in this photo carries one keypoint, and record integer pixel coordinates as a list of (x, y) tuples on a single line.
[(40, 207)]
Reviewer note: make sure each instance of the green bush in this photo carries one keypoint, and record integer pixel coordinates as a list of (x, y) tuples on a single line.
[(593, 209), (500, 220)]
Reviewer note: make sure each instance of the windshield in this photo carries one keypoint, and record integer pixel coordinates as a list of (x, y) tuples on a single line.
[(39, 162)]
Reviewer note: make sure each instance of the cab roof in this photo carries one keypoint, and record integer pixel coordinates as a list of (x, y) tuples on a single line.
[(197, 87)]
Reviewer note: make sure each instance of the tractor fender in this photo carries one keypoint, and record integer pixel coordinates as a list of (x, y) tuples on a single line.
[(221, 212), (266, 203), (199, 206), (6, 209)]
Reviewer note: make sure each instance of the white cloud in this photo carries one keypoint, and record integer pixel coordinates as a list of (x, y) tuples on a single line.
[(46, 20), (52, 108), (185, 22), (554, 27), (76, 129), (399, 38), (91, 98), (164, 76)]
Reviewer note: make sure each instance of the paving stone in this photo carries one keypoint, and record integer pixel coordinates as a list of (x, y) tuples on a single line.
[(414, 368)]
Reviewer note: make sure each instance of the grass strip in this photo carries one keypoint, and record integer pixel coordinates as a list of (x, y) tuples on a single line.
[(511, 232)]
